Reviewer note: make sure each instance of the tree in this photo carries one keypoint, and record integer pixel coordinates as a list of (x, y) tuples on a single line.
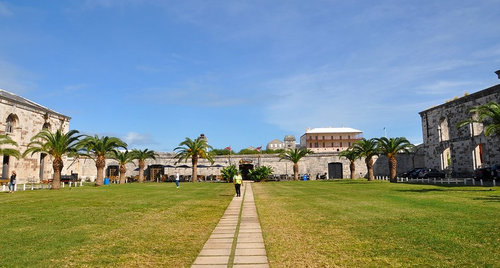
[(390, 147), (260, 173), (98, 149), (487, 114), (7, 140), (194, 149), (229, 172), (56, 145), (367, 149), (141, 156), (295, 155), (123, 158), (351, 155)]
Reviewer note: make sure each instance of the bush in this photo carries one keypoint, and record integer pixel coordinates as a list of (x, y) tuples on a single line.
[(229, 172), (260, 173)]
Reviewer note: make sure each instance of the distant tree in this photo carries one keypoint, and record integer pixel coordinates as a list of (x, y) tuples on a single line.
[(220, 152), (7, 140), (367, 149), (390, 147), (351, 155), (141, 156), (487, 114), (98, 149), (248, 151), (260, 173), (194, 149), (229, 172), (123, 158), (295, 155), (56, 145)]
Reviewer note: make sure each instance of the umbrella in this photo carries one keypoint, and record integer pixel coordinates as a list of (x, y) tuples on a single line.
[(218, 165), (168, 166), (137, 169), (202, 166), (183, 166)]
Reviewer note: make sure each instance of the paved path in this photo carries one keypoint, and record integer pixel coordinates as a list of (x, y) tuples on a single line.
[(236, 240)]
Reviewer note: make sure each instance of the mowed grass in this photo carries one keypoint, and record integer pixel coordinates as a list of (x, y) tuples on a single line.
[(371, 224), (131, 225)]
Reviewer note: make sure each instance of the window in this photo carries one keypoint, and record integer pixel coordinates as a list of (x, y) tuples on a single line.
[(340, 144), (340, 137), (11, 123), (323, 137), (316, 137), (348, 137), (310, 145), (443, 131)]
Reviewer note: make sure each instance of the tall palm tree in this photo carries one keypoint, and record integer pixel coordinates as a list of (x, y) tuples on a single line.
[(57, 145), (194, 149), (123, 158), (98, 149), (489, 115), (7, 140), (367, 149), (295, 155), (390, 147), (141, 156), (351, 155)]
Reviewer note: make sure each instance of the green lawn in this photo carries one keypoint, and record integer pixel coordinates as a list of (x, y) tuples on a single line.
[(127, 225), (359, 224)]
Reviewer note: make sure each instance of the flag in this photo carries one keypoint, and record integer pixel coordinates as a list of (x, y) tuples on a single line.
[(258, 148), (228, 148)]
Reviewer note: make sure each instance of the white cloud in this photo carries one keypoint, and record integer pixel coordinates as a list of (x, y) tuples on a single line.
[(138, 139)]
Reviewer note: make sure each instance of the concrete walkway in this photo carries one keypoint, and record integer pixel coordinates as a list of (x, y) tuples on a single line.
[(236, 241)]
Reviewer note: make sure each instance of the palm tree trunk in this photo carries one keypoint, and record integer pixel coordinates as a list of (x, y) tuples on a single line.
[(57, 165), (296, 171), (194, 175), (393, 168), (142, 164), (352, 167), (123, 170), (100, 163), (369, 167)]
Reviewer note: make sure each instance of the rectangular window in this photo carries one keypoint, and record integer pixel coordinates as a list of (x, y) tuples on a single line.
[(332, 137), (340, 144), (316, 137), (310, 145), (340, 137), (323, 137), (348, 137)]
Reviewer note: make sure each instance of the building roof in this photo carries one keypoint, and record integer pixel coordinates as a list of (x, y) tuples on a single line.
[(333, 130), (275, 141), (23, 101)]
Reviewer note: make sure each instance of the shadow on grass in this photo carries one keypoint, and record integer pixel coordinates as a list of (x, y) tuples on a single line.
[(447, 189), (491, 198)]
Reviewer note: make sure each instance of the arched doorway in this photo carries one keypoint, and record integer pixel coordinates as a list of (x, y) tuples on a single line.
[(112, 172), (155, 172), (245, 167), (335, 170)]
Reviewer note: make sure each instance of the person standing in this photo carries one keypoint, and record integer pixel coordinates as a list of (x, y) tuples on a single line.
[(177, 179), (12, 182), (237, 181)]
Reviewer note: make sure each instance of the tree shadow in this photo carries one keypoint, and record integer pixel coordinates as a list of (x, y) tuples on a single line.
[(447, 189), (491, 198)]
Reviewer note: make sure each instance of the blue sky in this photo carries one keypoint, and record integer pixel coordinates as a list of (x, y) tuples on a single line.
[(246, 72)]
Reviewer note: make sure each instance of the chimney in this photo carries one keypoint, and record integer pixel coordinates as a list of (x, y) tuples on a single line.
[(498, 73)]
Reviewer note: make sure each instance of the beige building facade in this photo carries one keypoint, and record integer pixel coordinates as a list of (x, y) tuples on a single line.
[(324, 140)]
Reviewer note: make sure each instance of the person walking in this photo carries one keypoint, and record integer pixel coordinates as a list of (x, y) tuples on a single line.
[(237, 181), (12, 182), (177, 179)]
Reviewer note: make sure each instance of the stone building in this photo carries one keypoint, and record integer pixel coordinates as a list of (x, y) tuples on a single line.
[(329, 139), (21, 119), (290, 142), (275, 145), (459, 150)]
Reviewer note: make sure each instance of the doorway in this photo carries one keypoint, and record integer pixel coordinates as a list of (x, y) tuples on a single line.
[(244, 170), (5, 167), (155, 172), (335, 170)]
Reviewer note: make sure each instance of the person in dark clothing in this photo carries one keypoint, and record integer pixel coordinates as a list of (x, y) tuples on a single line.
[(12, 182)]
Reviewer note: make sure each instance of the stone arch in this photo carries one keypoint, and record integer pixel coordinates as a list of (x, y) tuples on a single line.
[(443, 129), (46, 126), (11, 123), (446, 158)]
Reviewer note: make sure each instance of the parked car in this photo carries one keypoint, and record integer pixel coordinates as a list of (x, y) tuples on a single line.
[(487, 173), (431, 173), (412, 173)]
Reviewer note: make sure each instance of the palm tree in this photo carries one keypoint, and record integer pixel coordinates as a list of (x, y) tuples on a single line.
[(489, 115), (367, 149), (295, 155), (98, 149), (7, 140), (57, 145), (351, 155), (141, 156), (123, 158), (390, 148), (194, 149)]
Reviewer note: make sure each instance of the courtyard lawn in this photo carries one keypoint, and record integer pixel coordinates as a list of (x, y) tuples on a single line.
[(154, 225), (358, 223)]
